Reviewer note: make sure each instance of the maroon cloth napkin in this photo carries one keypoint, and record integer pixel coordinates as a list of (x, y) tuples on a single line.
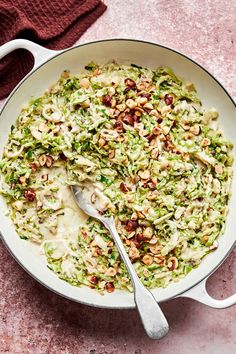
[(55, 24)]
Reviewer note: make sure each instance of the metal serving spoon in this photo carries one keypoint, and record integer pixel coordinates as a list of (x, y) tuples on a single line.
[(152, 317)]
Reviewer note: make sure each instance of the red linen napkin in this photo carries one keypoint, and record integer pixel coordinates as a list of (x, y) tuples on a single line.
[(55, 24)]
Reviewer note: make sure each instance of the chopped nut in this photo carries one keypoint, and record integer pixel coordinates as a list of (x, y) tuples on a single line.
[(49, 161), (42, 160), (159, 259), (166, 130), (130, 83), (101, 142), (206, 142), (113, 102), (134, 216), (144, 174), (155, 249), (133, 253), (195, 129), (152, 195), (140, 215), (131, 225), (111, 272), (130, 103), (22, 180), (147, 95), (186, 157), (119, 126), (136, 242), (110, 287), (153, 240), (96, 72), (111, 90), (154, 112), (106, 100), (93, 279), (205, 238), (111, 154), (185, 126), (172, 263), (214, 246), (139, 109), (168, 99), (154, 153), (121, 107), (85, 82), (123, 187), (148, 106), (151, 185), (33, 166), (148, 232), (138, 113), (30, 194), (219, 169), (147, 259), (142, 100), (128, 119)]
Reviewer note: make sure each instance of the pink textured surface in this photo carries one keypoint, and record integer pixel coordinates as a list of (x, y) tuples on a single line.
[(34, 320)]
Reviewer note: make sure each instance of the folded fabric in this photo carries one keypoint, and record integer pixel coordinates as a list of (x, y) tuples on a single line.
[(55, 24)]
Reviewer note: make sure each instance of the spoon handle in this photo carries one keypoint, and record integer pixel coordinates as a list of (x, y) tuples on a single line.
[(152, 317)]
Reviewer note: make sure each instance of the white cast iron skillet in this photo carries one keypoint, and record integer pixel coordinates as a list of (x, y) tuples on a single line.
[(47, 68)]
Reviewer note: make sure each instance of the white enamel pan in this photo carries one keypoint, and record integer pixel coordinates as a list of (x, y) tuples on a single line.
[(48, 66)]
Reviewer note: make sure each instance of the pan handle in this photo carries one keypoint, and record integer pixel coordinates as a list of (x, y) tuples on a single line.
[(200, 294), (39, 53)]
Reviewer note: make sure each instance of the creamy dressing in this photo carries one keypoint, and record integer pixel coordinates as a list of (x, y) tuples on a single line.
[(70, 217)]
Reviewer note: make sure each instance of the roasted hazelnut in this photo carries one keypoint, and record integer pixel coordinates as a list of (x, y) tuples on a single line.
[(22, 180), (172, 263), (119, 126), (128, 119), (130, 83), (146, 95), (168, 99), (30, 194), (110, 287), (33, 167), (131, 225), (49, 161), (42, 160), (107, 100), (123, 187), (136, 242), (93, 279), (147, 259)]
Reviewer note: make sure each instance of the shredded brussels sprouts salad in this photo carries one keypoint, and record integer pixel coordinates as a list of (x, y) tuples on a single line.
[(158, 162)]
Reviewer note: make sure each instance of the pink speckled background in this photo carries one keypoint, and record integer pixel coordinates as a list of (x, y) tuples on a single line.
[(34, 320)]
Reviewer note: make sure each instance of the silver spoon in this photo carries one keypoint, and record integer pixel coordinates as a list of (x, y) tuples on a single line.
[(152, 317)]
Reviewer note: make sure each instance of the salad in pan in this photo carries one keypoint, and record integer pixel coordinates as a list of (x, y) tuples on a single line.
[(156, 158)]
